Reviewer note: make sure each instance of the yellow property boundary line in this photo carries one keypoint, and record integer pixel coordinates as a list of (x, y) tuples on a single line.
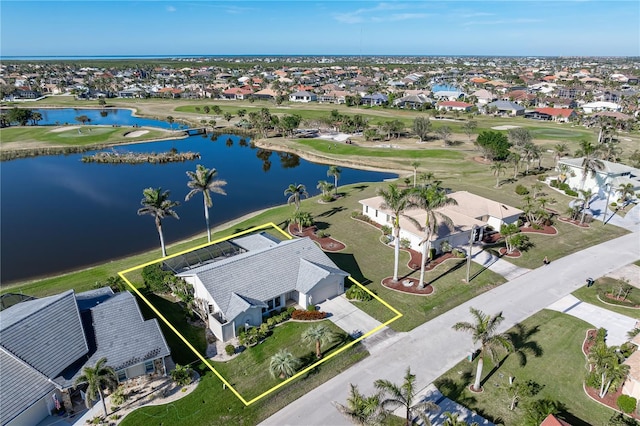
[(206, 361)]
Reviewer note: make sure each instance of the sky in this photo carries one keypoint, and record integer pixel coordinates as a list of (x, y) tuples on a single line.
[(434, 27)]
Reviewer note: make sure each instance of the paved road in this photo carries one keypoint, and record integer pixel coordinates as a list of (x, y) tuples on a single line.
[(433, 348)]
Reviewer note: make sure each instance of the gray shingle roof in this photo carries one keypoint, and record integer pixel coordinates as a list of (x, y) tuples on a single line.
[(506, 105), (20, 387), (256, 241), (264, 274), (45, 333), (122, 334)]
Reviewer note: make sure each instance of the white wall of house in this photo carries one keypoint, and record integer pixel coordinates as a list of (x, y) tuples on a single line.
[(377, 216), (34, 414)]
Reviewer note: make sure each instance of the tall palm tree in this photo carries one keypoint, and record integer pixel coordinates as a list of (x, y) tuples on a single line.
[(170, 120), (156, 203), (483, 330), (590, 163), (295, 192), (415, 164), (98, 377), (362, 410), (586, 195), (430, 198), (283, 364), (335, 172), (498, 168), (560, 150), (514, 159), (397, 201), (204, 181), (405, 396), (318, 334)]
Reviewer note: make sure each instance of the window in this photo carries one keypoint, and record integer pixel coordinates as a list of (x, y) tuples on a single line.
[(122, 375), (210, 309), (278, 301), (270, 304), (148, 367)]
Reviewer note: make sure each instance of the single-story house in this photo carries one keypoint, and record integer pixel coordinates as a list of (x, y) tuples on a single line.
[(471, 211), (333, 97), (454, 106), (590, 107), (559, 114), (413, 101), (238, 291), (238, 93), (303, 96), (45, 344), (133, 92), (265, 94), (506, 108), (374, 99), (449, 95), (615, 174)]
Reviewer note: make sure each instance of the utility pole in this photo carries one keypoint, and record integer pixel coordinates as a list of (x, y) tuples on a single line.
[(471, 239)]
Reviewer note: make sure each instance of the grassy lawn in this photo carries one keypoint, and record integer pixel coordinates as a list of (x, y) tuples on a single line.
[(595, 296), (560, 371), (249, 373), (72, 137), (210, 404)]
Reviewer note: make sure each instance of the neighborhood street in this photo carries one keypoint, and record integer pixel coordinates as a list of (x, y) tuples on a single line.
[(434, 347)]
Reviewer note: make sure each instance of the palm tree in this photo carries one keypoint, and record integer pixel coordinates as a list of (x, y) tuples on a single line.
[(283, 364), (170, 120), (415, 165), (498, 168), (626, 191), (157, 204), (204, 180), (318, 335), (430, 198), (560, 149), (405, 396), (607, 362), (514, 159), (397, 201), (590, 163), (362, 410), (483, 330), (98, 377), (295, 192), (335, 172), (586, 195), (325, 187)]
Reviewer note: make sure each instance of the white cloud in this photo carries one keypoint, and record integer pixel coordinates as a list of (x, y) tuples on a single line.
[(503, 22), (171, 9), (380, 13)]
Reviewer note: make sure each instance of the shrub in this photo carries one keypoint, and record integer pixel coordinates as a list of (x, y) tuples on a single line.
[(613, 204), (405, 243), (626, 403), (386, 230), (181, 375), (271, 321), (118, 397), (458, 253), (521, 190), (627, 348), (355, 214), (155, 278), (571, 193), (230, 349), (554, 183), (322, 234), (358, 293), (326, 198), (542, 177), (301, 315)]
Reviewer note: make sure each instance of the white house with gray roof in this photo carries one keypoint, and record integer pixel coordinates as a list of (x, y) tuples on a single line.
[(45, 344), (613, 174), (240, 290)]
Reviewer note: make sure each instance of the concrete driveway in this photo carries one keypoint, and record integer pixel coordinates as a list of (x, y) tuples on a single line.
[(345, 315), (617, 325)]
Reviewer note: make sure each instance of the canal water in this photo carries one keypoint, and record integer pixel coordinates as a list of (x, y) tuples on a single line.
[(59, 214)]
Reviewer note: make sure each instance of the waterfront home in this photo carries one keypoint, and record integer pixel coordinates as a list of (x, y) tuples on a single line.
[(610, 178), (45, 344), (472, 211), (261, 277)]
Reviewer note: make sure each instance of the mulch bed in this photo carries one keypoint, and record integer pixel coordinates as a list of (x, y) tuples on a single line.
[(326, 243), (573, 222), (546, 230), (515, 253), (416, 258), (611, 397), (411, 289)]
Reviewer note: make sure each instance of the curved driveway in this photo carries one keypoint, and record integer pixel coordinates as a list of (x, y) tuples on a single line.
[(433, 348)]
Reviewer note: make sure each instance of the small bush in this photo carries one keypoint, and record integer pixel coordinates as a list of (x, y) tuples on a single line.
[(405, 243), (118, 397), (355, 292), (626, 403), (230, 349), (521, 190), (355, 214), (386, 230), (181, 375), (271, 321), (322, 234), (301, 315), (627, 348), (458, 253), (542, 177), (571, 193), (554, 183), (614, 204), (326, 198)]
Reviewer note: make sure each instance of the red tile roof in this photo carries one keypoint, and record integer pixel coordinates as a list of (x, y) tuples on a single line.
[(554, 112), (455, 104), (551, 420)]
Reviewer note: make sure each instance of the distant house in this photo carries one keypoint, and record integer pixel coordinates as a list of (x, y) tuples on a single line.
[(471, 211), (303, 96), (238, 93), (615, 174), (240, 290), (333, 97), (506, 108), (484, 96), (558, 114), (454, 106), (600, 106), (265, 94), (449, 95), (374, 99), (134, 92), (45, 344), (413, 101)]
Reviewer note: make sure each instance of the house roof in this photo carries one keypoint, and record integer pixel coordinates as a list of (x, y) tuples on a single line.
[(46, 334), (21, 385), (455, 104), (506, 105), (255, 276), (256, 241), (634, 365), (469, 211), (609, 167), (303, 94), (552, 420), (122, 334), (554, 112)]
